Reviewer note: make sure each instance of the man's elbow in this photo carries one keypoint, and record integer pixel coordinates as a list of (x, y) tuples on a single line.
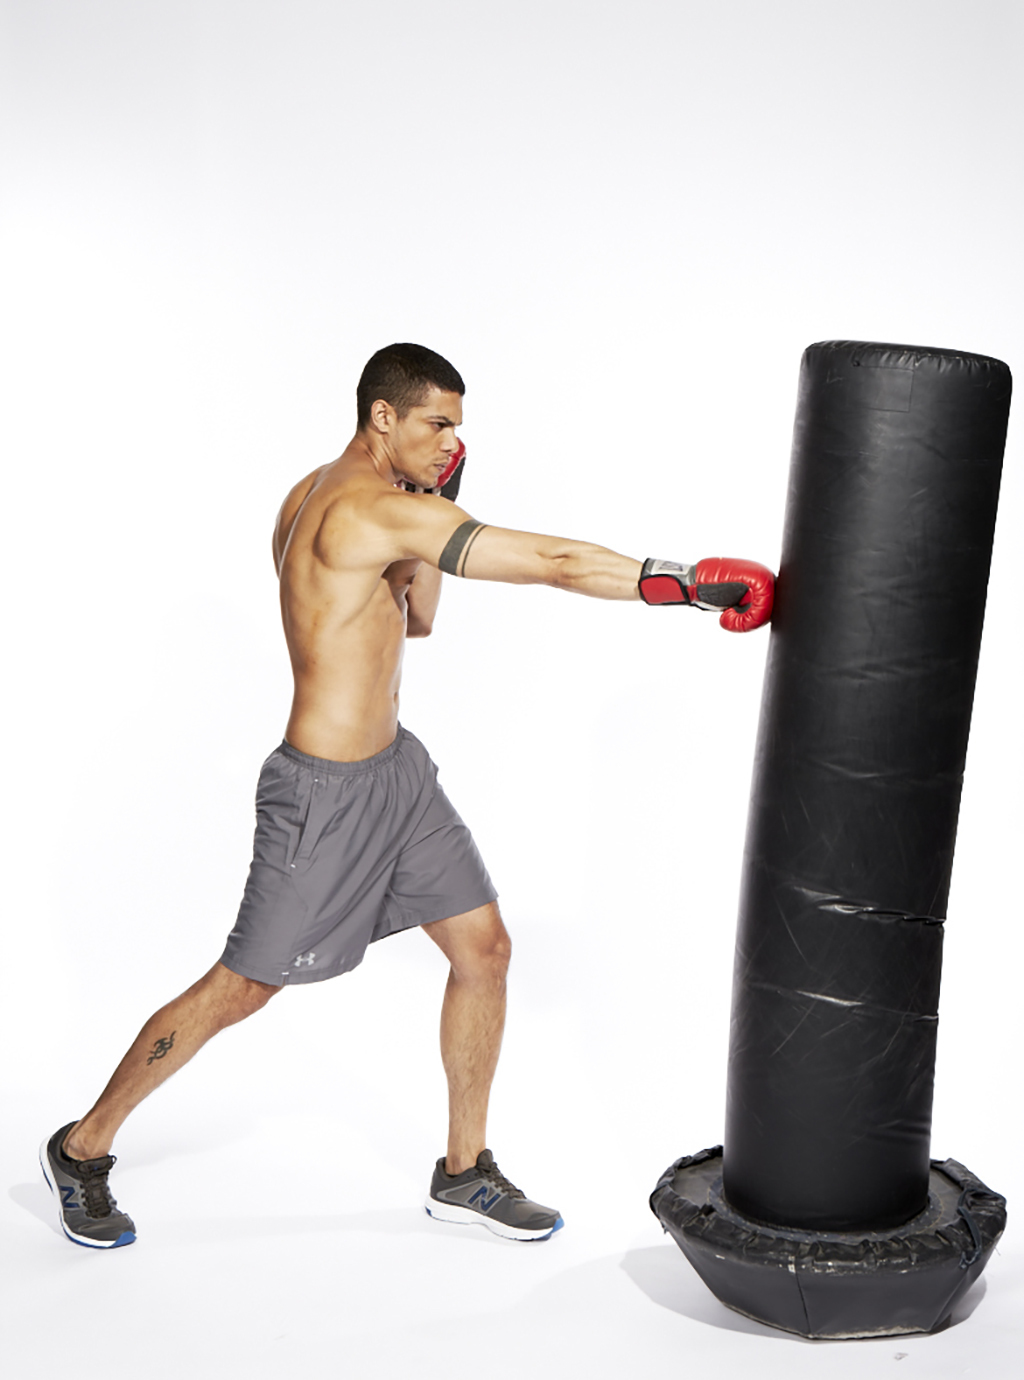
[(416, 627)]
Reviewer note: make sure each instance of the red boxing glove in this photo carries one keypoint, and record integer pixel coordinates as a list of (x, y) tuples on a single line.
[(756, 607), (743, 589), (449, 473), (448, 481)]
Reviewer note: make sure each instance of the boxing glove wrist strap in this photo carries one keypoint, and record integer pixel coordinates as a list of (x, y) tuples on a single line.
[(668, 582)]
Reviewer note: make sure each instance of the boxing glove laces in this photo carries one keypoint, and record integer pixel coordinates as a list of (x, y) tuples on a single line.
[(740, 591)]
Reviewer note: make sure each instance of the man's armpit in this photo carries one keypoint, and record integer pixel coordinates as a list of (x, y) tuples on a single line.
[(453, 558)]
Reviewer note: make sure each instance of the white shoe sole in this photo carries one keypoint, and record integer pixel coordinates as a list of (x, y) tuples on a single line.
[(467, 1217)]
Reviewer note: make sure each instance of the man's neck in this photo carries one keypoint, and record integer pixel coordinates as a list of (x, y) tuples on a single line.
[(369, 446)]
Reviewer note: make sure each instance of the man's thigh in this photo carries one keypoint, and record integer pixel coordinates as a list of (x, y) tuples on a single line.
[(439, 874)]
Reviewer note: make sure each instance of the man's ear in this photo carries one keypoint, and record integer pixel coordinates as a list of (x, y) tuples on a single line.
[(382, 416)]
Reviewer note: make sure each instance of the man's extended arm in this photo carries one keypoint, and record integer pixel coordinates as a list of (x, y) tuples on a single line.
[(447, 537), (479, 552)]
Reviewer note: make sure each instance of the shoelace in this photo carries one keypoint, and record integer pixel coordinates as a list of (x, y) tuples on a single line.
[(95, 1190), (506, 1185)]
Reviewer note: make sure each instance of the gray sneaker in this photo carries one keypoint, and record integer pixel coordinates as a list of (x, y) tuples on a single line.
[(483, 1196), (87, 1213)]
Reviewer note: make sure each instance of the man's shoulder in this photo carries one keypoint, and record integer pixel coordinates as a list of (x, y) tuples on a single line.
[(348, 516), (333, 489), (344, 516), (299, 492)]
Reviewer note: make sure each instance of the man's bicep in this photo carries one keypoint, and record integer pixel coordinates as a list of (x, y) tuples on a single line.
[(445, 536), (480, 552)]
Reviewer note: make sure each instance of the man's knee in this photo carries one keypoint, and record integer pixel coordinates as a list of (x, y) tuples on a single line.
[(476, 944), (255, 995), (488, 951), (239, 996)]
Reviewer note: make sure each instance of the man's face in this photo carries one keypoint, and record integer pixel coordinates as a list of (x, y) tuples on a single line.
[(424, 439)]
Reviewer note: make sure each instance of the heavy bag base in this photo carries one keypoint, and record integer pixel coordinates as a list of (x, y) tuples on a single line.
[(834, 1284)]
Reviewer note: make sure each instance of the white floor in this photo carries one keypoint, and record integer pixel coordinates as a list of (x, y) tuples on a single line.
[(254, 1260), (277, 1185)]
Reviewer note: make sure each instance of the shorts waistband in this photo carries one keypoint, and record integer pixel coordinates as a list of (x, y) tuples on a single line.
[(331, 768)]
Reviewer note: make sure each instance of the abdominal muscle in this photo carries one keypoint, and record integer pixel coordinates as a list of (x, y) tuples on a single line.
[(345, 630)]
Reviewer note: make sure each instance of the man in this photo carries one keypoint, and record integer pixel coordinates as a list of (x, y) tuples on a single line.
[(354, 839)]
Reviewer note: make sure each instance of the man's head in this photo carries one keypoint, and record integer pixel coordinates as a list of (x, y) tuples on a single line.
[(410, 401), (402, 376)]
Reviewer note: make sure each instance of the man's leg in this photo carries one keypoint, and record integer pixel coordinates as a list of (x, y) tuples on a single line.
[(468, 1187), (166, 1042), (472, 1020)]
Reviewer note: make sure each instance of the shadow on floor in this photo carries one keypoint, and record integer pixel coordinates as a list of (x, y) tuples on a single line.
[(37, 1200)]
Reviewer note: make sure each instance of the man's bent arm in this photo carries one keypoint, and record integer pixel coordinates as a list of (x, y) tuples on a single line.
[(421, 601)]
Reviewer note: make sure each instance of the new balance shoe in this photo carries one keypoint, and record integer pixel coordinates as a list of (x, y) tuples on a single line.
[(482, 1196), (87, 1213)]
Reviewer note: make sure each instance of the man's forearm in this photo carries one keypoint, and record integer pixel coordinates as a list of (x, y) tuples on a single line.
[(421, 601), (583, 568)]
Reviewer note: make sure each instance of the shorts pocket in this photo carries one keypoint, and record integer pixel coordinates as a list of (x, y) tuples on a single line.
[(312, 821)]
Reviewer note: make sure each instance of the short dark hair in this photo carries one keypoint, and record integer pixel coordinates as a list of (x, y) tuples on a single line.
[(403, 375)]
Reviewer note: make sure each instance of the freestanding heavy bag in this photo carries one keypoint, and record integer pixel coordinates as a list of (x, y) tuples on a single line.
[(825, 1215)]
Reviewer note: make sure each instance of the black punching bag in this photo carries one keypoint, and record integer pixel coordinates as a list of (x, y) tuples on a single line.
[(825, 1215)]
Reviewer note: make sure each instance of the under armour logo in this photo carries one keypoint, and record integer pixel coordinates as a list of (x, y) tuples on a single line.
[(304, 958)]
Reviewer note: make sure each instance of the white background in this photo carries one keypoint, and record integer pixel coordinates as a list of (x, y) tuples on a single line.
[(623, 223)]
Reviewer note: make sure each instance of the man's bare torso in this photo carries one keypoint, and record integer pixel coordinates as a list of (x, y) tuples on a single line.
[(358, 560), (345, 610)]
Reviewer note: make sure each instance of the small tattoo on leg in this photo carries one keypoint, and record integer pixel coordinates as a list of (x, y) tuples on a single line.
[(162, 1047)]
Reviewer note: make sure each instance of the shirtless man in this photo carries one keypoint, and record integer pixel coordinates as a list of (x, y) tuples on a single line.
[(355, 839)]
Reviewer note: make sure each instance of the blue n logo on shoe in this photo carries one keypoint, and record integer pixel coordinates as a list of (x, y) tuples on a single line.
[(485, 1203), (67, 1195)]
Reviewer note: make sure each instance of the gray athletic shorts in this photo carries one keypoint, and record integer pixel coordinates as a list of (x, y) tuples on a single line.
[(346, 853)]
